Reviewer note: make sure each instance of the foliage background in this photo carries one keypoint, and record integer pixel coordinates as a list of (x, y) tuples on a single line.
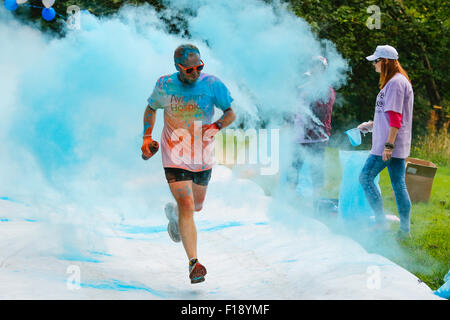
[(417, 28)]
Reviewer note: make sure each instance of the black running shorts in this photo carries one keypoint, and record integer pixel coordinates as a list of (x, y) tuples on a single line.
[(175, 174)]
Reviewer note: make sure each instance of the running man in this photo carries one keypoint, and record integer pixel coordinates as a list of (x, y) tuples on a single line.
[(188, 98)]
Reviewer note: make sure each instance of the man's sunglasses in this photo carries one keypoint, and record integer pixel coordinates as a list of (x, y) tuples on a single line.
[(191, 69)]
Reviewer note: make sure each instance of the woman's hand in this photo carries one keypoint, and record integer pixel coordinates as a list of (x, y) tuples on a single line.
[(366, 127), (387, 154)]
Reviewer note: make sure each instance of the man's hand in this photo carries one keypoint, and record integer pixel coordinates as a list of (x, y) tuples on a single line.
[(149, 147), (210, 130), (387, 154)]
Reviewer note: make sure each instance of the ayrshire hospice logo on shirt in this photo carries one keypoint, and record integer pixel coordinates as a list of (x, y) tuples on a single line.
[(380, 102), (177, 104)]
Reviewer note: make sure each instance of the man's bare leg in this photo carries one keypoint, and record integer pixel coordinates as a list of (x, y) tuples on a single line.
[(199, 196), (182, 192)]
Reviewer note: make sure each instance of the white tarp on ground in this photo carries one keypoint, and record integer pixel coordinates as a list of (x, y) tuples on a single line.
[(247, 255)]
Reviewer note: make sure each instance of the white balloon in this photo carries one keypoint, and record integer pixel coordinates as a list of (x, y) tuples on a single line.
[(21, 1), (48, 3)]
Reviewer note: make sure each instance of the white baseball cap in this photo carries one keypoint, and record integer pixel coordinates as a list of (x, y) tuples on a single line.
[(385, 51)]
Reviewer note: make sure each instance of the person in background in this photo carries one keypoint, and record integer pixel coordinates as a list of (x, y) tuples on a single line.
[(313, 131), (188, 98), (391, 137)]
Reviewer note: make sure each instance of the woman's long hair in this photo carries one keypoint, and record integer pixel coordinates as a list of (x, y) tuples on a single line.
[(389, 68)]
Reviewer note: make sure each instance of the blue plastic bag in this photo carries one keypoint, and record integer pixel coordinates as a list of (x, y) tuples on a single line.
[(354, 135), (353, 204), (304, 183), (444, 291)]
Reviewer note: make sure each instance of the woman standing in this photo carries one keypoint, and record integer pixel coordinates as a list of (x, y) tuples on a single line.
[(391, 137)]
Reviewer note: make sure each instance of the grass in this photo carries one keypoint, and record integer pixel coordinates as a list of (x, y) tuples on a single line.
[(434, 147), (427, 254)]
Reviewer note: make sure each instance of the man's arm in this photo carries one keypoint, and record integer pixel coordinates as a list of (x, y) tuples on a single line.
[(149, 121), (226, 119)]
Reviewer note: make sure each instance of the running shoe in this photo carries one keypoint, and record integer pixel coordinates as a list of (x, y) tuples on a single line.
[(172, 228), (197, 271)]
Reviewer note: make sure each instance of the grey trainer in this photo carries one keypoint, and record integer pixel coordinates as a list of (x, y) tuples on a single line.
[(172, 215)]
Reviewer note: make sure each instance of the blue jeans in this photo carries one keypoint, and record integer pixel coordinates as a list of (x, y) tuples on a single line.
[(396, 168)]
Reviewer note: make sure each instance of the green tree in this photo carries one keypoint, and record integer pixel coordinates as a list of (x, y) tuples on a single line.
[(417, 29)]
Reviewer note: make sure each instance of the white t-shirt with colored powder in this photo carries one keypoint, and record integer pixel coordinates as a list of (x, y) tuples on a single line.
[(186, 109)]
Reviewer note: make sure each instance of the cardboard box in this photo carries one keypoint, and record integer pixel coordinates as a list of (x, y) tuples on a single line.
[(419, 179)]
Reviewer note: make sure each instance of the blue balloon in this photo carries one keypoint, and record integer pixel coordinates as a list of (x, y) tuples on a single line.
[(48, 14), (11, 5)]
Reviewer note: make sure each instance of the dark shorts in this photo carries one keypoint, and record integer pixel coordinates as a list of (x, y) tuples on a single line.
[(175, 174)]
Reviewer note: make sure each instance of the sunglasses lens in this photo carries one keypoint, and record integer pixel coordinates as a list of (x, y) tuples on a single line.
[(190, 70)]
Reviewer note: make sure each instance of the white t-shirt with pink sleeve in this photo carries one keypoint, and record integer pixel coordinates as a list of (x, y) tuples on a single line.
[(398, 96)]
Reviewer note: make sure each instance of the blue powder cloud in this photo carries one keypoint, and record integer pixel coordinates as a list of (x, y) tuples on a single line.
[(72, 108), (84, 96)]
